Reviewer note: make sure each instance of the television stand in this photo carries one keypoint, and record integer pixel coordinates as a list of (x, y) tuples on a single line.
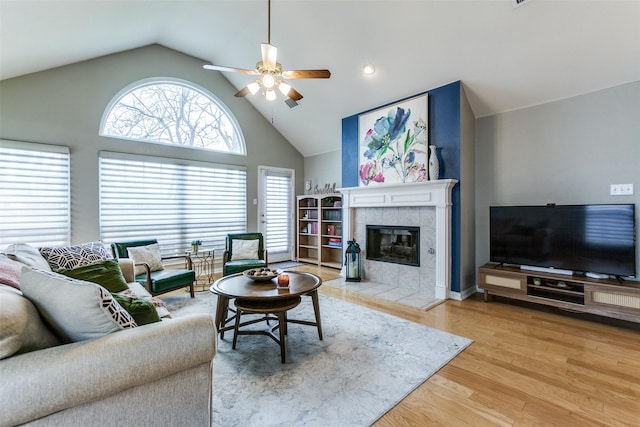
[(604, 297)]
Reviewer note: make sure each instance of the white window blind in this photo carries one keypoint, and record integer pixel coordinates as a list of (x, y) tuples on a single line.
[(278, 211), (34, 194), (143, 198)]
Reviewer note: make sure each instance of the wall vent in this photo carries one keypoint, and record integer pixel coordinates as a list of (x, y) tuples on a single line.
[(518, 3)]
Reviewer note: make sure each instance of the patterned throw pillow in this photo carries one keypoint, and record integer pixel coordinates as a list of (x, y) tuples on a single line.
[(10, 271), (71, 257), (75, 309), (149, 254)]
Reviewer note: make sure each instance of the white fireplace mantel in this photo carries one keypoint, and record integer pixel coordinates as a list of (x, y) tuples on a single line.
[(430, 193)]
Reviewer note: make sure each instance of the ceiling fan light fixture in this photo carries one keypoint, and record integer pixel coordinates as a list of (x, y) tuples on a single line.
[(268, 81), (270, 95), (284, 88), (253, 87)]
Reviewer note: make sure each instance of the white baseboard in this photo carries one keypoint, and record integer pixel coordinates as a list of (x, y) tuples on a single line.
[(459, 296)]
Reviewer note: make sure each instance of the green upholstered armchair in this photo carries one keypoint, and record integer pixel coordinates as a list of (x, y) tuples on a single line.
[(243, 251), (159, 281)]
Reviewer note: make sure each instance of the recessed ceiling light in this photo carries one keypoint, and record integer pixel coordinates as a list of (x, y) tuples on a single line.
[(369, 69)]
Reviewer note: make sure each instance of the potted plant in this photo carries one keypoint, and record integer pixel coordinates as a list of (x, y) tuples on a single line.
[(195, 245)]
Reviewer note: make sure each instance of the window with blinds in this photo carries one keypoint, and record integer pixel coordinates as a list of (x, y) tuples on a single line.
[(143, 198), (34, 194)]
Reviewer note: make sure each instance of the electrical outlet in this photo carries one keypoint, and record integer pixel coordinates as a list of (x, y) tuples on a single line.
[(621, 190)]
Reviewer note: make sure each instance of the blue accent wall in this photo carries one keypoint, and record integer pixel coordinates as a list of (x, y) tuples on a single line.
[(350, 151), (444, 131)]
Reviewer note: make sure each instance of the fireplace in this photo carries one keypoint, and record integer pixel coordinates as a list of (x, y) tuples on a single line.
[(395, 244), (423, 204)]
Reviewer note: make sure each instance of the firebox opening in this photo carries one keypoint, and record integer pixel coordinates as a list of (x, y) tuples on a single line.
[(395, 244)]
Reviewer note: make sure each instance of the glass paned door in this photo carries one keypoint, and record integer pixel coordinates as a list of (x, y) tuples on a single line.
[(275, 211)]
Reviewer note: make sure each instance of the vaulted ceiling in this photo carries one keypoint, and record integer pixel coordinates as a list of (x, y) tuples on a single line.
[(507, 58)]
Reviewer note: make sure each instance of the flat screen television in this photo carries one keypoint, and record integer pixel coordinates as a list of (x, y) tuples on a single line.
[(597, 239)]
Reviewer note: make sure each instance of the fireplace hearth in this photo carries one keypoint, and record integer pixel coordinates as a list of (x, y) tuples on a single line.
[(395, 244)]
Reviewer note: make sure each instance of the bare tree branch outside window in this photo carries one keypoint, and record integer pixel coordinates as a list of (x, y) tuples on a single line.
[(174, 114)]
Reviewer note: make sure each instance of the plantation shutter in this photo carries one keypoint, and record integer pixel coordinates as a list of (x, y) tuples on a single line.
[(277, 211), (155, 198), (34, 194)]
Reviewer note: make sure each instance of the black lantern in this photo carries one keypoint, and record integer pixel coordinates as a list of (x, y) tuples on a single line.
[(353, 261)]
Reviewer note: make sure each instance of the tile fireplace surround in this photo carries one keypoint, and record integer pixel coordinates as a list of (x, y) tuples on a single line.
[(426, 205)]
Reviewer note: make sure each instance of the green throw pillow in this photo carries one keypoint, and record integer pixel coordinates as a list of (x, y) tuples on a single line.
[(142, 311), (105, 273)]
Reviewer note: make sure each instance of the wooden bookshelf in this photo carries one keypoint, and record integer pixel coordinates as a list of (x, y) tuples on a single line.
[(319, 230)]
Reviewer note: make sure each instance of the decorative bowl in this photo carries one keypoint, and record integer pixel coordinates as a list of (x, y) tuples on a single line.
[(261, 274)]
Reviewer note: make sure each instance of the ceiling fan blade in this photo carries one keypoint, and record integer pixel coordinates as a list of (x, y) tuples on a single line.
[(269, 56), (234, 70), (242, 92), (306, 74), (294, 95)]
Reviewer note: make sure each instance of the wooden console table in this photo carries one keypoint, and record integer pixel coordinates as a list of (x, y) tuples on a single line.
[(604, 297)]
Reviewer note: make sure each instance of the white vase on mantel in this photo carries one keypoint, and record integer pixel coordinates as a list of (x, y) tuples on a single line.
[(434, 163)]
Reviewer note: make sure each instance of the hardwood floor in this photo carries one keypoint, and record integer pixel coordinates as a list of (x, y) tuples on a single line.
[(528, 365)]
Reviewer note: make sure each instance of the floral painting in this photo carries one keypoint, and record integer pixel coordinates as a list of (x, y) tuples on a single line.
[(393, 143)]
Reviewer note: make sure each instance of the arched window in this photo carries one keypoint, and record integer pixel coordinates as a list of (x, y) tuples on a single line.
[(172, 111)]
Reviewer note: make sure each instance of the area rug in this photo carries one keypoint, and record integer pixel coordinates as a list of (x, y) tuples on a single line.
[(285, 264), (367, 362)]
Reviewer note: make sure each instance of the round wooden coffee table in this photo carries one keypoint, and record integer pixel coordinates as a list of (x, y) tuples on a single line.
[(265, 298)]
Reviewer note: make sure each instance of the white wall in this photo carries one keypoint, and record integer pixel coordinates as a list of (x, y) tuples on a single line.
[(467, 197), (564, 152), (64, 106), (324, 169)]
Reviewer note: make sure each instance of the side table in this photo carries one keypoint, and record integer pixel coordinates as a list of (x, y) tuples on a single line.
[(202, 262)]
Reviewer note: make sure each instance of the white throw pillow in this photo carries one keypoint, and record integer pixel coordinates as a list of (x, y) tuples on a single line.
[(27, 255), (149, 254), (75, 309), (244, 249)]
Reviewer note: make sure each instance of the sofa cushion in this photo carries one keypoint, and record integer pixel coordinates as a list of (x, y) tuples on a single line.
[(75, 309), (143, 312), (22, 328), (27, 255), (71, 257), (149, 254), (244, 249), (10, 271), (105, 273)]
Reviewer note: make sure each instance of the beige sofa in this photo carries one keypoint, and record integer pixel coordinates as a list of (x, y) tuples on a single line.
[(158, 374)]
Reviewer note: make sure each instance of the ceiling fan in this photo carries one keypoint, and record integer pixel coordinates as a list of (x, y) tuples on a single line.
[(272, 74)]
